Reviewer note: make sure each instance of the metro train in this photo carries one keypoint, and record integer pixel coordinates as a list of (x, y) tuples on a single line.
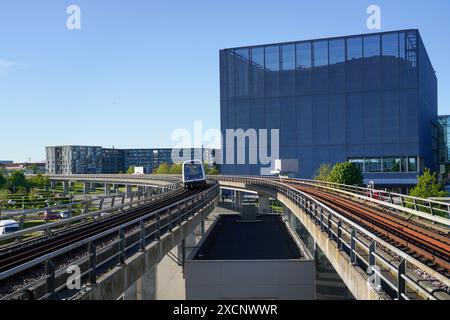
[(193, 174)]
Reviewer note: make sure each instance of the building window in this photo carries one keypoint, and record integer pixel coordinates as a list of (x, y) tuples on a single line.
[(337, 51), (373, 165), (272, 58), (320, 53), (390, 44), (354, 48), (412, 164), (386, 164), (371, 46), (391, 165), (288, 57), (303, 52), (359, 163)]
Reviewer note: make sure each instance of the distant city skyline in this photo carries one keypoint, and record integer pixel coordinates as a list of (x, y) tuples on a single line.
[(133, 74)]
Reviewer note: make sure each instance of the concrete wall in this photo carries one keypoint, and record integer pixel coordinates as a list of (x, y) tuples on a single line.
[(113, 284), (263, 279)]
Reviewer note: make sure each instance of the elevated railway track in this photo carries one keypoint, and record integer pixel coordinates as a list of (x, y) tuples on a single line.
[(99, 241), (400, 234), (429, 246)]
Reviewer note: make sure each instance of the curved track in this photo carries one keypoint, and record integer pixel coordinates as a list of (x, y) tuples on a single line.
[(432, 247), (10, 258)]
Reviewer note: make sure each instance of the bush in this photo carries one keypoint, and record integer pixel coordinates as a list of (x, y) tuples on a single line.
[(346, 173), (427, 186), (163, 169), (323, 173)]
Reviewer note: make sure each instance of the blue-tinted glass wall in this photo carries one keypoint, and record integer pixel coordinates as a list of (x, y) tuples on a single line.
[(334, 99)]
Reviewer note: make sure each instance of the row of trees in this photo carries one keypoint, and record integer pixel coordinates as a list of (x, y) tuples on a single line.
[(17, 182), (347, 173)]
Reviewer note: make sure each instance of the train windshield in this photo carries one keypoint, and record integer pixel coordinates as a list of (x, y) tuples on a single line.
[(193, 171), (11, 229)]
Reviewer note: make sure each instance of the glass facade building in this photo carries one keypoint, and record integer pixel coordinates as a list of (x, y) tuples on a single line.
[(370, 99), (96, 160), (444, 139)]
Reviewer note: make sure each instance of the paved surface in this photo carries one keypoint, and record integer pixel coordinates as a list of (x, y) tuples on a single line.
[(234, 239)]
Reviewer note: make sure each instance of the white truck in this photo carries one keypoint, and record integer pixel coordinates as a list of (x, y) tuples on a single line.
[(8, 226), (286, 168), (139, 170)]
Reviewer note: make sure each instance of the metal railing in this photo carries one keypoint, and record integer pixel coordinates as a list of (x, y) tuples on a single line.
[(437, 211), (143, 179), (145, 229), (135, 198), (427, 209), (363, 247)]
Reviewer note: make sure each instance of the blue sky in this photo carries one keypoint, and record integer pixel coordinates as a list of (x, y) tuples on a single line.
[(137, 70)]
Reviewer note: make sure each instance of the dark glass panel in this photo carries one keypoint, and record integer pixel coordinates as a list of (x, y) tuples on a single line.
[(272, 58), (354, 48), (391, 164), (288, 57), (320, 53), (304, 55), (371, 46), (390, 44), (337, 51), (373, 165)]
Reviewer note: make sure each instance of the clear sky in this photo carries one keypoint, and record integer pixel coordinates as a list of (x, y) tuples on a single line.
[(138, 70)]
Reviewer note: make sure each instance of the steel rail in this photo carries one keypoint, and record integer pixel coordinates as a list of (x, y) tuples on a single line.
[(11, 258), (50, 225), (205, 195)]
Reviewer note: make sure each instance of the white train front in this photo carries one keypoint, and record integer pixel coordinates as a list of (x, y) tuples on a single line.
[(193, 174)]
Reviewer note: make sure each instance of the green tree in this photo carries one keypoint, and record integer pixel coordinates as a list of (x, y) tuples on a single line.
[(175, 168), (120, 172), (214, 171), (427, 186), (2, 181), (211, 170), (163, 168), (17, 181), (323, 172), (32, 168), (130, 170), (346, 173), (38, 181)]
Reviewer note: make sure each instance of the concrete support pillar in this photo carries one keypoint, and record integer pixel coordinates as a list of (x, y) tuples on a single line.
[(87, 187), (128, 188), (295, 223), (186, 246), (66, 186), (107, 189), (238, 200), (53, 184), (264, 205), (146, 285), (131, 292)]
